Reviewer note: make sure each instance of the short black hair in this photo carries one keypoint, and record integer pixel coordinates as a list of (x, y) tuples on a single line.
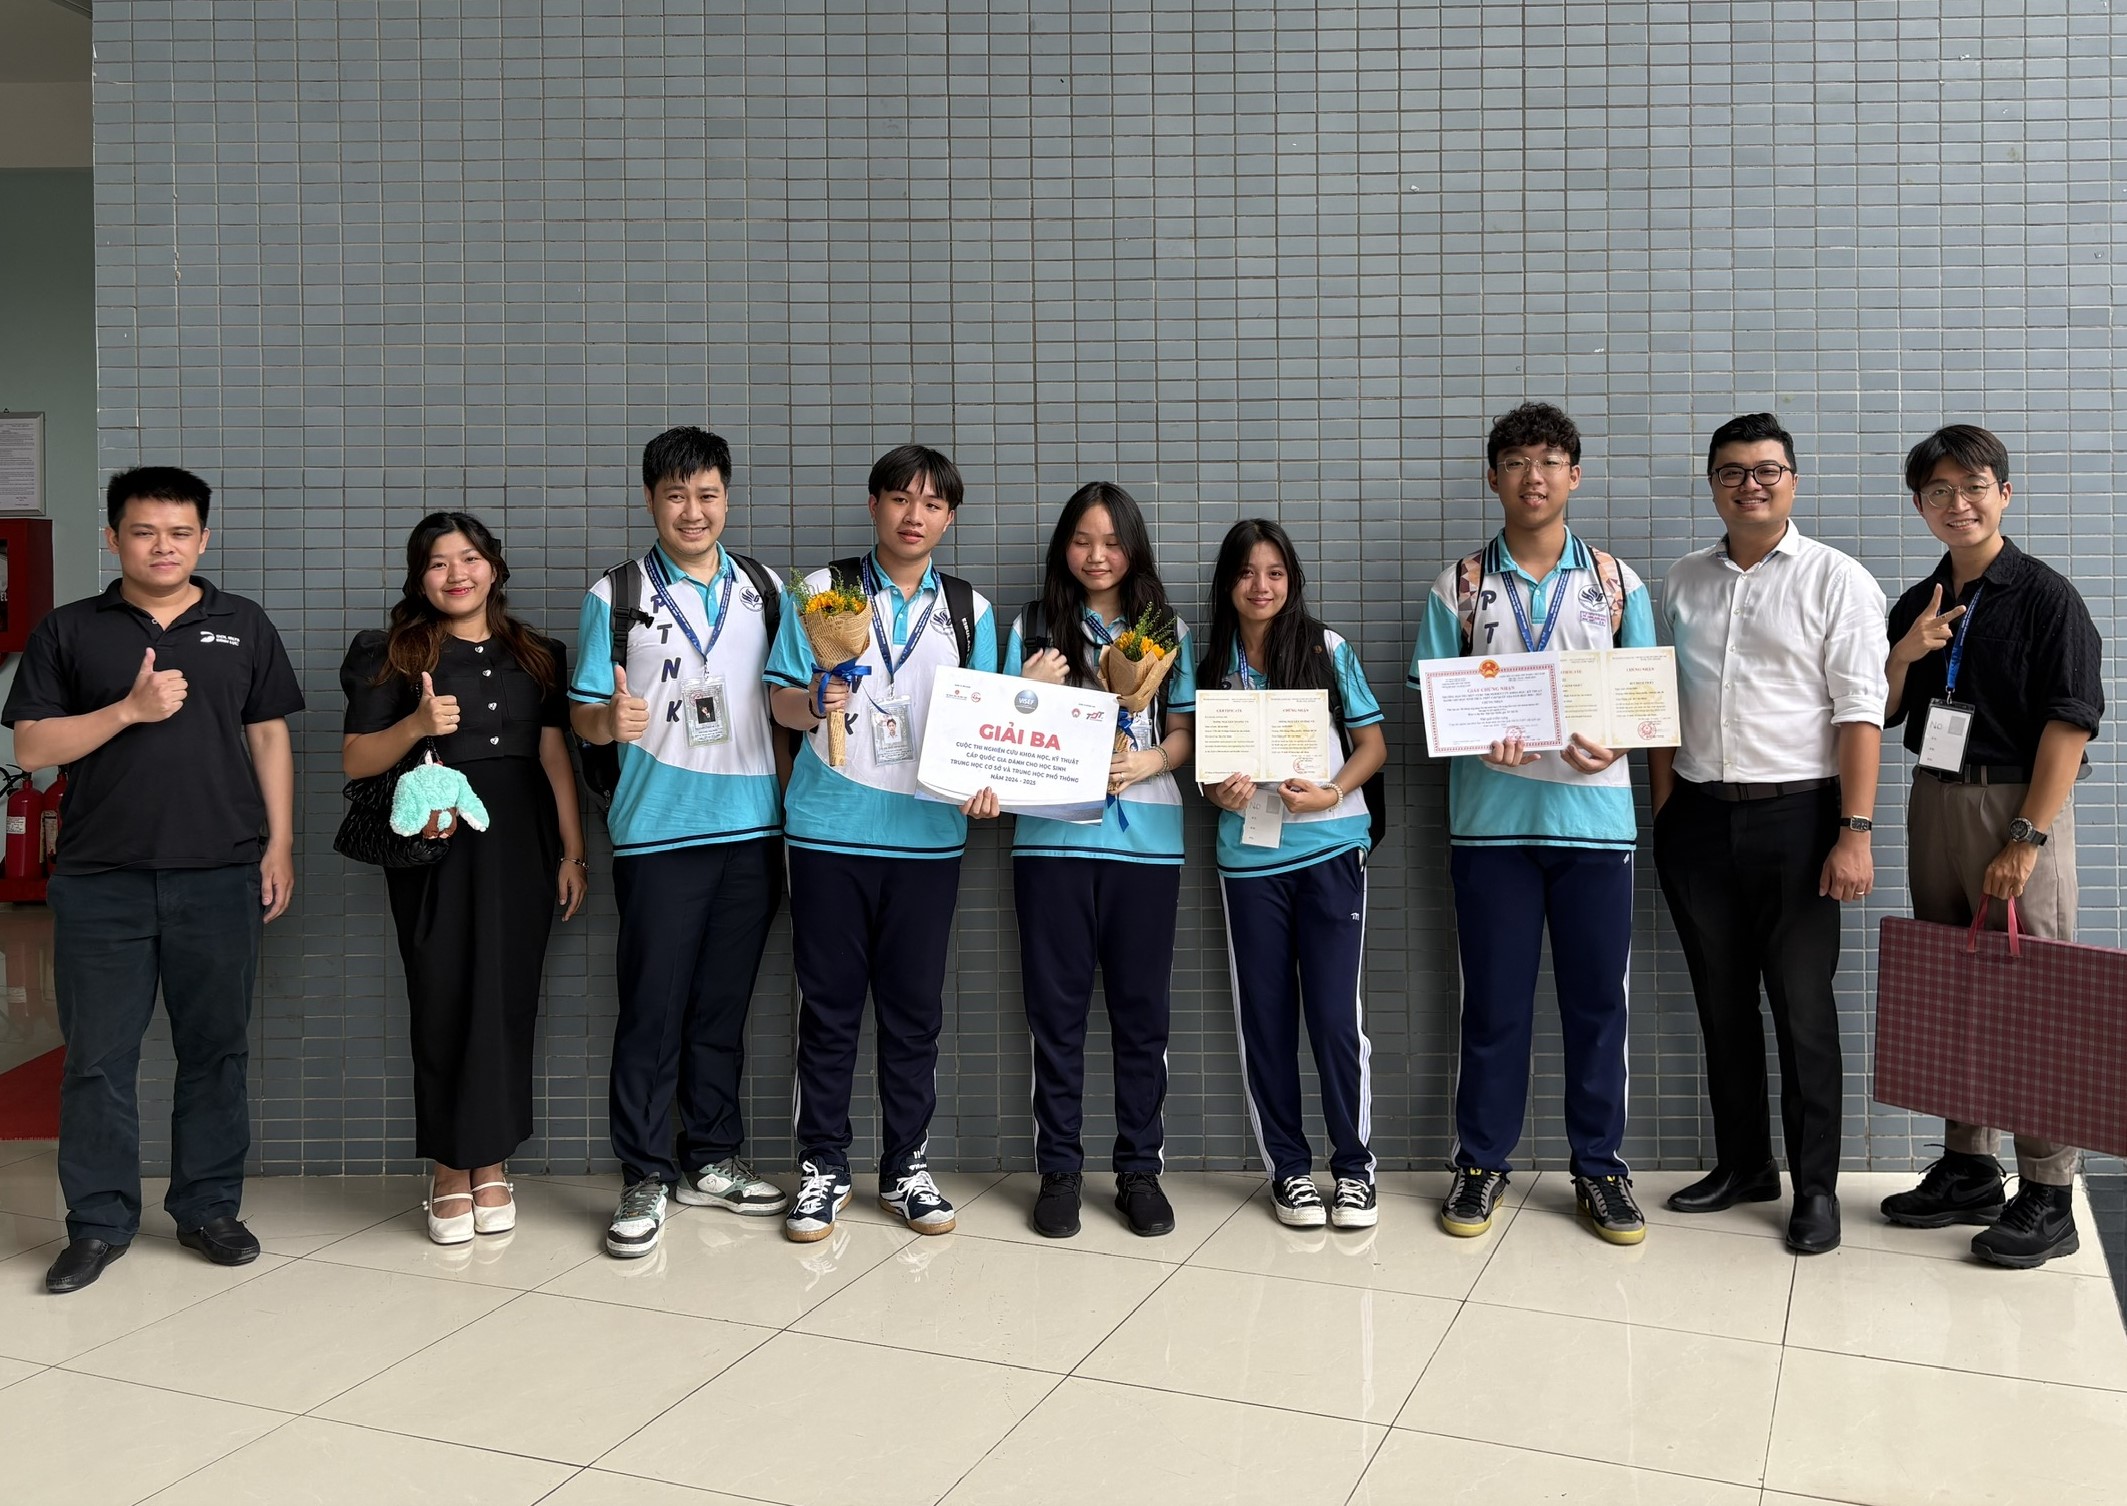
[(1532, 423), (894, 470), (1750, 428), (1972, 447), (683, 453), (155, 483)]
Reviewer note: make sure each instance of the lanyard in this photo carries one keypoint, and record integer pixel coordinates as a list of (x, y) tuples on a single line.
[(1957, 644), (658, 580), (1521, 617), (1098, 629), (1250, 680), (872, 587)]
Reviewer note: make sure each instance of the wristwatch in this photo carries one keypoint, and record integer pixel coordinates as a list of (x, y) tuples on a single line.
[(2023, 831), (1857, 823)]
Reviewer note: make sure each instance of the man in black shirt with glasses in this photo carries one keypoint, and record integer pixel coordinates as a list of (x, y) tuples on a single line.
[(1994, 672)]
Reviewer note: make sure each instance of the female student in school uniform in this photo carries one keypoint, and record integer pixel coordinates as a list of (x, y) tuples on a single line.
[(456, 670), (1105, 893), (1293, 875)]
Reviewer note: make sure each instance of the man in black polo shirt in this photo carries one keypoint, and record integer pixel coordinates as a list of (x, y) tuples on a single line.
[(167, 701), (1994, 671)]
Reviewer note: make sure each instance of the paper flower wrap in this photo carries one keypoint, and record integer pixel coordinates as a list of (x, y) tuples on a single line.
[(837, 623), (1133, 667), (432, 789)]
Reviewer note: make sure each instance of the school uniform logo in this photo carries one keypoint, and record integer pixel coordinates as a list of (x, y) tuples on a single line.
[(941, 618), (750, 599)]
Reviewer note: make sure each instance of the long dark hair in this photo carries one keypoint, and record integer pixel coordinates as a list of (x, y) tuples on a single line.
[(414, 640), (1063, 598), (1293, 654)]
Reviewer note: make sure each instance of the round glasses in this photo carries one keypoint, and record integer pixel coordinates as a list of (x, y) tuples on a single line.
[(1767, 475), (1940, 497)]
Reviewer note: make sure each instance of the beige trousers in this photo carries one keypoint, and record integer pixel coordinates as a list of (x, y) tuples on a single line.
[(1952, 832)]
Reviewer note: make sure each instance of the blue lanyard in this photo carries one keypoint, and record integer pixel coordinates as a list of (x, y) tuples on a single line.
[(1099, 629), (872, 587), (658, 580), (1521, 617), (1250, 680), (1957, 644)]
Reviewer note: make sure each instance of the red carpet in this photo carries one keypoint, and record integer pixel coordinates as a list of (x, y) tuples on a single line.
[(29, 1098)]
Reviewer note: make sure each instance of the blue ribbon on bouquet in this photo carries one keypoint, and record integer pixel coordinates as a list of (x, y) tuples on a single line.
[(849, 671)]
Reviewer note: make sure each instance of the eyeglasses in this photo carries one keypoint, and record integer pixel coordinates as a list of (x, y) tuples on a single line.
[(1940, 497), (1767, 475), (1514, 467)]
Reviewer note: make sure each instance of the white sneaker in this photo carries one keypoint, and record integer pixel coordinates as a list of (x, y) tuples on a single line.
[(919, 1203), (732, 1184), (823, 1191), (638, 1221)]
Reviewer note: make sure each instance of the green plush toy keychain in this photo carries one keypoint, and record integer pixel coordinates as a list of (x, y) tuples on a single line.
[(432, 789)]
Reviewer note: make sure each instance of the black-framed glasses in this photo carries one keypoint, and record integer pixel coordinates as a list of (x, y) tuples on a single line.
[(1767, 475), (1941, 496)]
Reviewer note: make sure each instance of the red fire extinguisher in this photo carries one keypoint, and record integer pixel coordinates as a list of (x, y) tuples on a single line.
[(48, 823), (23, 828)]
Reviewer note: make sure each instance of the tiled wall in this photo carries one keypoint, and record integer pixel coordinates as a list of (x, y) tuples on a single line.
[(361, 260)]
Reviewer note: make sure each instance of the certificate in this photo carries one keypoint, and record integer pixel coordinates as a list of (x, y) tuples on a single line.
[(1269, 735), (1045, 749), (1622, 697), (1472, 703)]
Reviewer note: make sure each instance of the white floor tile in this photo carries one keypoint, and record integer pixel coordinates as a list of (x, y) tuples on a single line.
[(12, 1151), (295, 1337), (84, 1441), (345, 1466), (1962, 1316), (820, 1422), (1092, 1441), (19, 1232), (1651, 1398), (721, 1266), (300, 1215), (595, 1487), (12, 1371), (152, 1280), (548, 1377), (1342, 1351), (1697, 1280), (1908, 1435), (1202, 1202), (1465, 1472), (1406, 1252), (989, 1299), (558, 1229), (31, 1185)]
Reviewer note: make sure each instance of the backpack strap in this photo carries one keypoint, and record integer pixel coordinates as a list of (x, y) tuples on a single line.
[(624, 590), (1469, 580), (1033, 629), (770, 590), (1613, 580), (960, 607)]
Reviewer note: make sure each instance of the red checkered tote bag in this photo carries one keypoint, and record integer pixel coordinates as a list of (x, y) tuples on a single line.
[(2001, 1029)]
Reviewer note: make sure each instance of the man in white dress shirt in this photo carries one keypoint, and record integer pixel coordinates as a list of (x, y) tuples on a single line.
[(1762, 824)]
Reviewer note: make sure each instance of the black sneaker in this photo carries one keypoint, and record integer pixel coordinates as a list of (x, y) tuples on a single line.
[(1298, 1202), (1958, 1189), (823, 1191), (1056, 1207), (1468, 1210), (1607, 1201), (2037, 1225), (1352, 1206), (1144, 1207)]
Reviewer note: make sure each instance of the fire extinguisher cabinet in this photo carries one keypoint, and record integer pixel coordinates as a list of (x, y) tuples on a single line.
[(25, 579)]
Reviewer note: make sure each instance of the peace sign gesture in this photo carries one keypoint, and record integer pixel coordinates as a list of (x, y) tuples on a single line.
[(1930, 630)]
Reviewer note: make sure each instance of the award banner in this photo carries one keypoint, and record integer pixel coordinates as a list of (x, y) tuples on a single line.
[(1045, 749)]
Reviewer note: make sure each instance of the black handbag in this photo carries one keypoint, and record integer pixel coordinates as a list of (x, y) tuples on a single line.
[(365, 833)]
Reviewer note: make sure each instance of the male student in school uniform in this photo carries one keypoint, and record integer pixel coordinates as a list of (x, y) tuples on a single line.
[(1539, 839), (1994, 674), (874, 870)]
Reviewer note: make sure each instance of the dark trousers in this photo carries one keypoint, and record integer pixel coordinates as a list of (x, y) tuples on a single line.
[(877, 925), (1741, 881), (1504, 897), (693, 923), (195, 931), (1074, 912), (1296, 943)]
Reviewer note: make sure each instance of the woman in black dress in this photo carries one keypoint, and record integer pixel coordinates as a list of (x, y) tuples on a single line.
[(456, 670)]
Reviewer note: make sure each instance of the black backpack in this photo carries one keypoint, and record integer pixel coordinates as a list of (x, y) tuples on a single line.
[(624, 586), (959, 602), (1375, 790)]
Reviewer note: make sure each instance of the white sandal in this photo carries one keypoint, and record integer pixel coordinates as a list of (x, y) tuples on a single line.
[(497, 1220), (456, 1230)]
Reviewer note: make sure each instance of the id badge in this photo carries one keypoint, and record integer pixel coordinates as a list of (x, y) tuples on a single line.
[(1942, 741), (893, 739), (706, 711), (1263, 822)]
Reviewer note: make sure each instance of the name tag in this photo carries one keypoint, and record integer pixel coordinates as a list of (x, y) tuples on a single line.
[(1263, 822), (892, 740), (706, 711), (1942, 741)]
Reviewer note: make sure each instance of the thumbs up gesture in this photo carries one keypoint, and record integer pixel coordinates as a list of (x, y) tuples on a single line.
[(436, 715), (156, 693), (631, 713)]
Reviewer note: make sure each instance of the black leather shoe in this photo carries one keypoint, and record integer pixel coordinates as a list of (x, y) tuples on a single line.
[(1144, 1207), (1813, 1228), (222, 1240), (1722, 1188), (79, 1264)]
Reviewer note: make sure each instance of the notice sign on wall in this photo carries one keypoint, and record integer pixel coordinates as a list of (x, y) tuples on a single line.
[(21, 462)]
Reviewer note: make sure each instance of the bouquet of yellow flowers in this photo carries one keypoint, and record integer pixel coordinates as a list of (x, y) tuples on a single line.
[(1134, 665), (837, 622)]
